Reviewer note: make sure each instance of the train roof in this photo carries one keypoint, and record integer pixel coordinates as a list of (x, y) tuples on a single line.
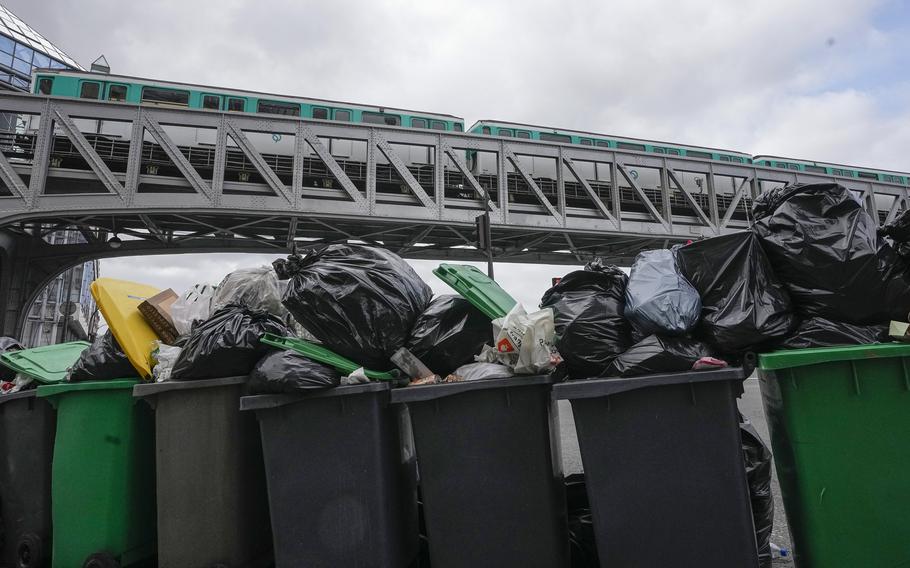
[(827, 164), (216, 90), (601, 135)]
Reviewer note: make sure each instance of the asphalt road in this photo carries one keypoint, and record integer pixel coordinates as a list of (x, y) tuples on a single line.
[(751, 407)]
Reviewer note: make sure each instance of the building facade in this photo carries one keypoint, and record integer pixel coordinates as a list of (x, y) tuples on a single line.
[(65, 309)]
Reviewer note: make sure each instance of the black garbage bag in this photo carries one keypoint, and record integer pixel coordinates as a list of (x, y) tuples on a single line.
[(582, 541), (758, 473), (226, 345), (449, 333), (359, 301), (288, 372), (825, 247), (820, 332), (658, 354), (103, 360), (8, 344), (899, 232), (744, 305), (588, 308), (659, 299)]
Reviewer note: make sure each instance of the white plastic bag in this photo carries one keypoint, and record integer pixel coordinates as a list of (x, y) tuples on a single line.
[(524, 342), (194, 305), (256, 289), (165, 357), (358, 377), (479, 371)]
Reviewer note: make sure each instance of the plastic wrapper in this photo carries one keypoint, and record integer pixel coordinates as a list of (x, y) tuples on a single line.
[(165, 357), (358, 377), (103, 360), (358, 301), (657, 354), (18, 383), (449, 333), (820, 332), (8, 344), (227, 345), (478, 372), (757, 457), (255, 289), (825, 247), (588, 307), (287, 372), (744, 305), (524, 342), (658, 297), (195, 305)]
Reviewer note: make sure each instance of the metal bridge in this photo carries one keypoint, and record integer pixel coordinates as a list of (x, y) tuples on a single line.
[(179, 180)]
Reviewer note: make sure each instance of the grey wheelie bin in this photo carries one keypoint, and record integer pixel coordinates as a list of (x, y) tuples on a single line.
[(490, 472), (664, 468), (27, 429), (341, 478), (211, 497)]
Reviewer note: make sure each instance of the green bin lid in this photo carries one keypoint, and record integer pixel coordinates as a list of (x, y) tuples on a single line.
[(47, 364), (64, 388), (478, 288), (803, 357), (322, 355)]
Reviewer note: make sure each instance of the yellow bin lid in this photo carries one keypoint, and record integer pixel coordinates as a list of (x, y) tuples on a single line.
[(119, 302)]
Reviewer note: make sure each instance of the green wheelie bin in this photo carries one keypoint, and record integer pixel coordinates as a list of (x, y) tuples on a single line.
[(103, 475), (839, 420)]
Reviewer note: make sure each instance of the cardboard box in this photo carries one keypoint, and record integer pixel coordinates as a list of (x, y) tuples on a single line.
[(157, 312)]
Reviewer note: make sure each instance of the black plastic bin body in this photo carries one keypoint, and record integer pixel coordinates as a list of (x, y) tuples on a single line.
[(664, 469), (212, 502), (490, 472), (342, 478), (28, 426)]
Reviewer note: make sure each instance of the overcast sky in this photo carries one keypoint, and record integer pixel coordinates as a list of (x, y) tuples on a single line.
[(809, 79)]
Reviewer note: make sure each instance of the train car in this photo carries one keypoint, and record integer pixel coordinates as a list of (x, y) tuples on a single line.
[(530, 132), (121, 88), (841, 170)]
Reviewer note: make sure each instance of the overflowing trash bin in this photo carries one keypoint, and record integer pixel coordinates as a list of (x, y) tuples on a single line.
[(664, 468), (839, 420), (341, 477), (211, 496), (103, 475), (490, 472), (27, 428)]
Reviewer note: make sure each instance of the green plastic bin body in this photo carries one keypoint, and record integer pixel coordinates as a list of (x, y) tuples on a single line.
[(840, 429), (103, 473)]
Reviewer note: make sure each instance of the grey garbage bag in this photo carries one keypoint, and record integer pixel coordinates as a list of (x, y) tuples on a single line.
[(659, 299)]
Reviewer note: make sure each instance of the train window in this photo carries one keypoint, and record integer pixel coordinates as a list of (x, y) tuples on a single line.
[(505, 133), (321, 113), (419, 122), (89, 90), (659, 150), (630, 146), (211, 102), (485, 130), (381, 118), (278, 107), (437, 125), (816, 169), (724, 158), (523, 134), (44, 85), (343, 115), (551, 137), (237, 105), (794, 166), (458, 127), (116, 93), (602, 143), (586, 142), (696, 154), (165, 96), (868, 175), (739, 159), (780, 165), (673, 151)]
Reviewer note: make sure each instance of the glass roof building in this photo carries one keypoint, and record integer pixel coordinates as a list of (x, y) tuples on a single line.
[(22, 49)]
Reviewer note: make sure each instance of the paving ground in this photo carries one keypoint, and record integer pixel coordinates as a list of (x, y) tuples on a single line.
[(751, 407)]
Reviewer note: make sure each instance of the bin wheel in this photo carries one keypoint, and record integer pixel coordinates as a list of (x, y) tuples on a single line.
[(30, 551), (101, 560)]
